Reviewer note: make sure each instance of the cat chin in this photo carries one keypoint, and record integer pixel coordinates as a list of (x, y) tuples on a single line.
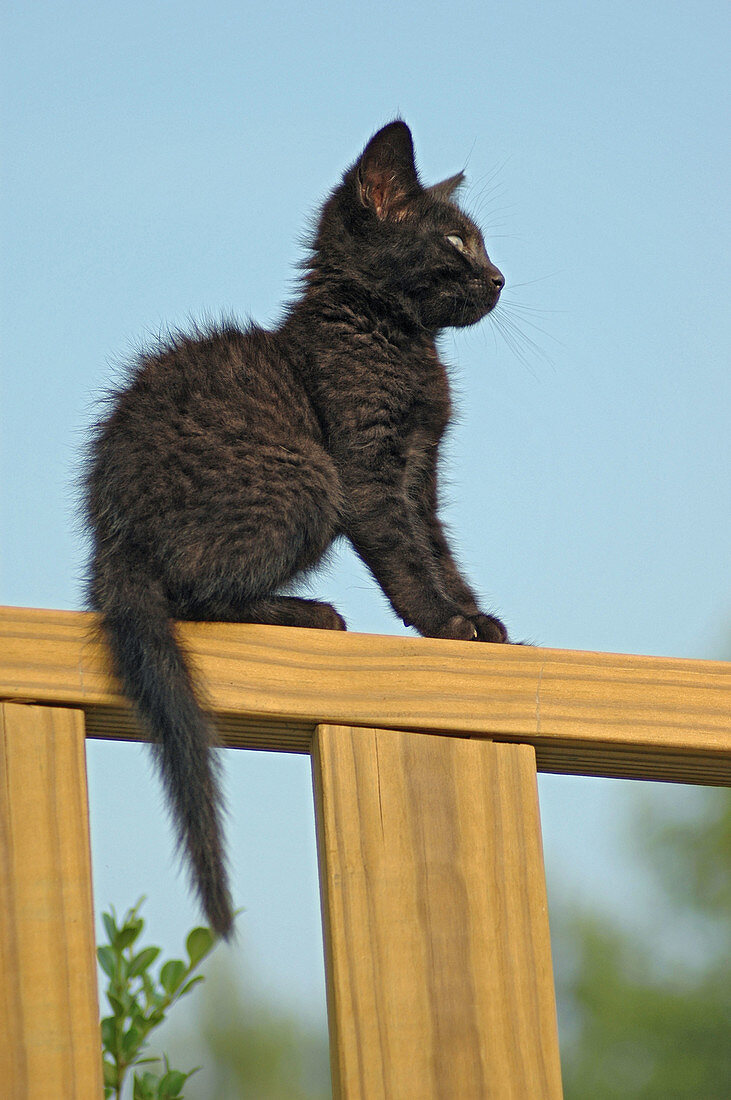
[(480, 309), (469, 314)]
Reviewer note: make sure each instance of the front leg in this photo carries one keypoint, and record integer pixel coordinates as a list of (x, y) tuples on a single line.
[(423, 497), (487, 628), (395, 543)]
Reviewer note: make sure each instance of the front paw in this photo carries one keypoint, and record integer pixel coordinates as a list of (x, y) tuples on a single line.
[(488, 628), (458, 628), (473, 628)]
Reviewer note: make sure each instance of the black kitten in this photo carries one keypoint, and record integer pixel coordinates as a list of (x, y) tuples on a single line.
[(233, 459)]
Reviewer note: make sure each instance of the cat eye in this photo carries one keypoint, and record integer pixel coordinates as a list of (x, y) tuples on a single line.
[(457, 241)]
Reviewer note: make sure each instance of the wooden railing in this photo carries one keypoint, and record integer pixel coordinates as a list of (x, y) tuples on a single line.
[(424, 758)]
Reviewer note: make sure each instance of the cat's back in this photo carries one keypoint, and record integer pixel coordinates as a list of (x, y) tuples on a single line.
[(196, 410), (239, 366), (216, 381)]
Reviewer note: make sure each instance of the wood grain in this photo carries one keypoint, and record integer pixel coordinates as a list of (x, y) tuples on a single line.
[(435, 915), (51, 1044), (585, 713)]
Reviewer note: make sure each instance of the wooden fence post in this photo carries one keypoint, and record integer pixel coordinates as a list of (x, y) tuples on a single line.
[(50, 1044), (434, 908)]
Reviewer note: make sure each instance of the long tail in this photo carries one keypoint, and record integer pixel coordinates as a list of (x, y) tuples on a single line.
[(156, 679)]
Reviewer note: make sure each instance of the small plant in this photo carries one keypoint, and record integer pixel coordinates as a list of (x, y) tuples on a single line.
[(139, 1003)]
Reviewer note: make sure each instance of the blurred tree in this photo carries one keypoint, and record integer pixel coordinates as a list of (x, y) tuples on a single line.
[(250, 1048), (647, 1013)]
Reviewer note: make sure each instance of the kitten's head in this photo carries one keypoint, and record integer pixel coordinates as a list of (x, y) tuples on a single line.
[(405, 244)]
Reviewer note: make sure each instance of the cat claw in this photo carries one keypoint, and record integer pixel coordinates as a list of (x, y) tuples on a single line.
[(490, 629), (459, 628)]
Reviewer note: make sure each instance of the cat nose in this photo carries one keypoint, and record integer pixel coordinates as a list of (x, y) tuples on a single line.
[(497, 279)]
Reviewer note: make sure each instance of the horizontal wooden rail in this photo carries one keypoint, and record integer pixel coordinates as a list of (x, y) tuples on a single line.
[(585, 713)]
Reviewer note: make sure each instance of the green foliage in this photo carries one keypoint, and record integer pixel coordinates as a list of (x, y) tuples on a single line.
[(139, 1004), (260, 1050), (252, 1046), (646, 1014)]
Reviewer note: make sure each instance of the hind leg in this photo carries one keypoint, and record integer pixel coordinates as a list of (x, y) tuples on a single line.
[(228, 548), (294, 611), (273, 611)]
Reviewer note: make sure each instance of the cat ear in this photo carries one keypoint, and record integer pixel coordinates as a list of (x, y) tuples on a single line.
[(443, 191), (386, 172)]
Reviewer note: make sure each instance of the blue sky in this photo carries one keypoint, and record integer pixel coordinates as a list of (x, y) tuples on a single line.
[(162, 162)]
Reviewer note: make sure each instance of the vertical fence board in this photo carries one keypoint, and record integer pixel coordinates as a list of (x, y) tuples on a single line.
[(434, 906), (48, 984)]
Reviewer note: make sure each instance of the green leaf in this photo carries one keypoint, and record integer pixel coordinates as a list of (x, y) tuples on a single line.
[(198, 944), (128, 935), (116, 1005), (148, 985), (110, 1073), (137, 1015), (109, 1033), (172, 974), (145, 1087), (110, 927), (171, 1084), (142, 961), (131, 1043), (189, 985), (107, 960), (143, 1028)]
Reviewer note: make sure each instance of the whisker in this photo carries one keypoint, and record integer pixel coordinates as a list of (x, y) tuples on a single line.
[(520, 343), (533, 325), (488, 189), (532, 282), (506, 300), (511, 342)]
